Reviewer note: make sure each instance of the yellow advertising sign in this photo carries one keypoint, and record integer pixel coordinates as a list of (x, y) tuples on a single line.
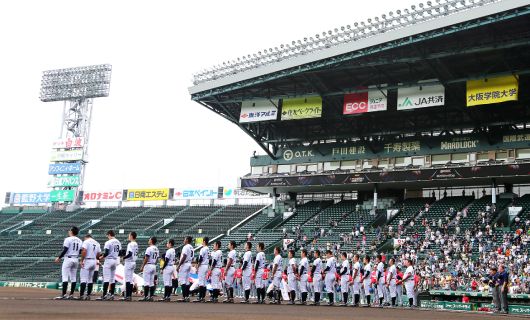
[(302, 108), (492, 90), (198, 241), (147, 194)]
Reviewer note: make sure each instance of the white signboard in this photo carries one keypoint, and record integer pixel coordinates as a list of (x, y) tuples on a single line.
[(71, 155), (421, 96), (258, 110), (68, 143)]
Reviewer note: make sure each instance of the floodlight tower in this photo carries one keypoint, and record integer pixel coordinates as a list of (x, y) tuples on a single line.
[(76, 87)]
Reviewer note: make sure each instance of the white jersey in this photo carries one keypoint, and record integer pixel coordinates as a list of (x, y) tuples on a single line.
[(170, 257), (204, 255), (278, 262), (380, 270), (345, 268), (292, 263), (247, 257), (92, 248), (367, 271), (318, 266), (392, 273), (73, 244), (232, 255), (304, 263), (188, 251), (357, 266), (152, 254), (114, 247), (217, 259), (132, 248), (409, 273), (260, 261), (331, 265)]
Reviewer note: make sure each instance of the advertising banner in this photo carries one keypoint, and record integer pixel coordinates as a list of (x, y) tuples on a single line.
[(370, 101), (90, 196), (416, 175), (62, 196), (71, 155), (147, 194), (30, 198), (258, 110), (64, 181), (421, 96), (68, 143), (213, 193), (64, 168), (302, 108), (492, 90)]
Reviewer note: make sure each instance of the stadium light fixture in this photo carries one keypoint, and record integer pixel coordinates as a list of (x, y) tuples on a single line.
[(76, 83), (395, 20)]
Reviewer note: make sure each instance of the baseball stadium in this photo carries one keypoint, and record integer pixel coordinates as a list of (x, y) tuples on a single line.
[(392, 181)]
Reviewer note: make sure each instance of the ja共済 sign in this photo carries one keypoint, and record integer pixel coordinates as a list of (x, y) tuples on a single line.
[(421, 96)]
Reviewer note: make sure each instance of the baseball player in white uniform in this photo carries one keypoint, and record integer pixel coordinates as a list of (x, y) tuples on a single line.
[(230, 272), (184, 268), (215, 271), (408, 280), (90, 252), (292, 274), (149, 269), (259, 265), (344, 278), (167, 270), (129, 263), (380, 279), (203, 263), (329, 280), (391, 280), (246, 270), (71, 248), (302, 275), (317, 277), (111, 253), (356, 277), (366, 279), (277, 270)]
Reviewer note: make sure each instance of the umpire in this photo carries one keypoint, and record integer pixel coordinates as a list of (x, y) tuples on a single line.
[(502, 287)]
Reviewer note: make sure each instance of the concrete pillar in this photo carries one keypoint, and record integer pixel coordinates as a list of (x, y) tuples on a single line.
[(493, 192)]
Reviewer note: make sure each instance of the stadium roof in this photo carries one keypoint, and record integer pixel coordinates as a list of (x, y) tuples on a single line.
[(451, 41)]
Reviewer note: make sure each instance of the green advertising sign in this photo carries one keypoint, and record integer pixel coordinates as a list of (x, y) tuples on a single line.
[(62, 196), (459, 306), (414, 146), (519, 309), (64, 181)]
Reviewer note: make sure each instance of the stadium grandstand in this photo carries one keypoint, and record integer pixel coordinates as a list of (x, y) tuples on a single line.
[(406, 135)]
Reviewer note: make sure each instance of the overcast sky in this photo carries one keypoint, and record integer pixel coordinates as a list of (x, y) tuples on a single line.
[(148, 133)]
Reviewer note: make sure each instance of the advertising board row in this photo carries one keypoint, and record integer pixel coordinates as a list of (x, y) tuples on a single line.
[(33, 198), (428, 93)]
